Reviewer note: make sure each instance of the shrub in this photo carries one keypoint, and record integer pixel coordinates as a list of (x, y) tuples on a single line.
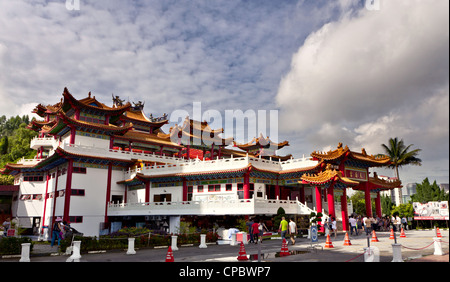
[(13, 245)]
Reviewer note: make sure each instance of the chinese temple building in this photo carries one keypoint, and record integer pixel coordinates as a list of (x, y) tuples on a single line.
[(101, 167)]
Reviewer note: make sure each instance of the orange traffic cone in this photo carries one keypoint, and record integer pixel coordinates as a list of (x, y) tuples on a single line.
[(438, 233), (169, 256), (391, 236), (374, 237), (284, 249), (242, 253), (347, 240), (402, 234), (328, 243)]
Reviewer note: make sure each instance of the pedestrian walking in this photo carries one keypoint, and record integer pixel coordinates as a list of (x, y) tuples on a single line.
[(255, 231), (398, 222), (261, 228), (57, 229), (283, 229), (249, 225), (353, 226), (334, 226), (404, 222), (367, 225), (292, 230)]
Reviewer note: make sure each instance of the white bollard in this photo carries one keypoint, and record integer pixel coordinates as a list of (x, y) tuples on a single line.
[(233, 240), (244, 238), (397, 253), (202, 241), (174, 243), (372, 254), (131, 250), (25, 252), (437, 247), (75, 257)]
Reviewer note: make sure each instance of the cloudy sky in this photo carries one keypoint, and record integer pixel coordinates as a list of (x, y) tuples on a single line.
[(336, 71)]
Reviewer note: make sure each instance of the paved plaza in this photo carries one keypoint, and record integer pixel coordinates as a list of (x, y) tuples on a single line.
[(417, 246)]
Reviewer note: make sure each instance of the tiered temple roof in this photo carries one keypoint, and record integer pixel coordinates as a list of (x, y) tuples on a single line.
[(351, 158)]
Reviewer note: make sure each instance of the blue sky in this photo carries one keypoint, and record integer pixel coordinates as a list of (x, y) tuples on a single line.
[(335, 70)]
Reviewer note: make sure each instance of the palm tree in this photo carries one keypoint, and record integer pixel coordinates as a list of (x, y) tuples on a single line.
[(400, 156)]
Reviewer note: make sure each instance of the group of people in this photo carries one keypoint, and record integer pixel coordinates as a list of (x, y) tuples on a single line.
[(256, 229), (290, 228), (368, 224)]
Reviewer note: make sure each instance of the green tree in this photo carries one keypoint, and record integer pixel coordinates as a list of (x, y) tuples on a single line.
[(426, 192), (359, 203), (401, 155), (386, 205), (4, 145), (402, 210)]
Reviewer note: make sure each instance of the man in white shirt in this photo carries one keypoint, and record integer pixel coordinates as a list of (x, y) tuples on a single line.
[(292, 230), (353, 225)]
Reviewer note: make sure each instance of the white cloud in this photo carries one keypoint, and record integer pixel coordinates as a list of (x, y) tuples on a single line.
[(370, 76), (362, 67)]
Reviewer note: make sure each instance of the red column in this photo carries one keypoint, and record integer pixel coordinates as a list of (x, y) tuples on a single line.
[(184, 190), (111, 142), (277, 191), (367, 200), (72, 135), (378, 205), (68, 191), (344, 210), (108, 191), (247, 185), (319, 203), (330, 197)]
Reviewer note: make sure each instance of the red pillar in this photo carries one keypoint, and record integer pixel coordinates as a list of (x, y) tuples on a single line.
[(330, 197), (247, 185), (344, 210), (319, 203), (367, 200), (72, 135), (378, 205), (68, 191), (184, 190), (277, 191), (108, 191)]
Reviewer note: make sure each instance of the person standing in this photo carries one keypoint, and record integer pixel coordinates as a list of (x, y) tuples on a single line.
[(283, 228), (255, 231), (398, 222), (292, 230), (367, 225), (249, 225), (57, 228), (6, 225), (334, 226), (404, 222), (353, 226)]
